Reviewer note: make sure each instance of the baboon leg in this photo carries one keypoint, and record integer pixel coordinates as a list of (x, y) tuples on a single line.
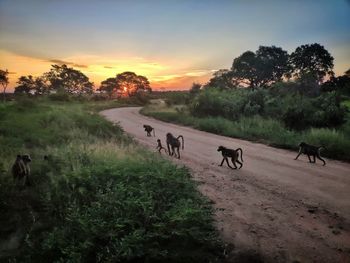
[(314, 156), (239, 164), (223, 159), (169, 149), (229, 163), (308, 156), (234, 162), (173, 153), (297, 155), (178, 152), (319, 157)]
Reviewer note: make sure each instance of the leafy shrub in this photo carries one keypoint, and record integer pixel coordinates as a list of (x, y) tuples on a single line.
[(60, 96)]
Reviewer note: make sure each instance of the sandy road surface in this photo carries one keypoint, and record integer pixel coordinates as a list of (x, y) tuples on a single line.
[(284, 209)]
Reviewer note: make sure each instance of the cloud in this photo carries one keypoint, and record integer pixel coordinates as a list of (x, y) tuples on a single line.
[(61, 62), (109, 67)]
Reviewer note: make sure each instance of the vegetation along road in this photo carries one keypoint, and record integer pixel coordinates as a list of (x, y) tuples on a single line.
[(284, 209)]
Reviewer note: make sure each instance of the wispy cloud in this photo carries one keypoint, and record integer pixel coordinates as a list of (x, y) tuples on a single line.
[(61, 62)]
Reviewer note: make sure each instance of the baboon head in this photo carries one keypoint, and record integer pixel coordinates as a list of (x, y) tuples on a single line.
[(221, 148), (302, 144), (26, 158)]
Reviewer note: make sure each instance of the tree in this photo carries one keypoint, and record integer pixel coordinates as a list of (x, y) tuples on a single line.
[(273, 62), (129, 83), (4, 81), (340, 84), (109, 86), (263, 68), (25, 84), (195, 89), (31, 85), (63, 78), (313, 60), (222, 79)]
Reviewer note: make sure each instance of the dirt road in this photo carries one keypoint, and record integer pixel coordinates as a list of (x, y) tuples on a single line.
[(286, 210)]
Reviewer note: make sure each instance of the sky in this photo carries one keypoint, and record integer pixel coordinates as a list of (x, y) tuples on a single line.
[(172, 42)]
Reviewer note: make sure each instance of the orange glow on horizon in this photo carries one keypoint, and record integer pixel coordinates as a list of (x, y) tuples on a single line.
[(161, 75)]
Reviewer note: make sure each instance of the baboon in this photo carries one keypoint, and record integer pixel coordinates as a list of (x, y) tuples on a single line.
[(310, 150), (160, 146), (21, 170), (233, 154), (174, 143), (149, 129)]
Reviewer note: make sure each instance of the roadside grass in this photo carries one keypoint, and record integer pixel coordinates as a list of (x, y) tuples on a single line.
[(98, 197), (259, 129)]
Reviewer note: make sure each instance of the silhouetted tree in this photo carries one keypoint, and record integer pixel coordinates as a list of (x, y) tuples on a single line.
[(221, 79), (109, 86), (340, 84), (30, 85), (312, 60), (129, 83), (195, 89), (4, 81), (266, 66), (25, 84), (63, 78)]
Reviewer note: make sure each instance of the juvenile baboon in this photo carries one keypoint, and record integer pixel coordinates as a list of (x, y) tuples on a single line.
[(175, 144), (21, 170), (233, 154), (160, 146), (149, 129), (310, 150)]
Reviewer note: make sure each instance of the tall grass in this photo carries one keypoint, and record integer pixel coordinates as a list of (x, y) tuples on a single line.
[(98, 197)]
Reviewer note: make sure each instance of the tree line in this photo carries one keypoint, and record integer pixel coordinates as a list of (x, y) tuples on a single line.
[(309, 65), (64, 79)]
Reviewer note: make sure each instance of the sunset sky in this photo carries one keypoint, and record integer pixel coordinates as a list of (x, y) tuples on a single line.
[(172, 42)]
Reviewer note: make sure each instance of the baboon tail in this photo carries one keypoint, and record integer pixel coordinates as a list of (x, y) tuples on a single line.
[(239, 149), (183, 141)]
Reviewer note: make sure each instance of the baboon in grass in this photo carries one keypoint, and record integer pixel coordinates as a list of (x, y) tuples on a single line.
[(310, 150), (233, 154), (175, 144), (149, 129), (21, 169)]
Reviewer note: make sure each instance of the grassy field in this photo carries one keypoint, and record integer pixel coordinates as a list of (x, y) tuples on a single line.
[(99, 197), (259, 129)]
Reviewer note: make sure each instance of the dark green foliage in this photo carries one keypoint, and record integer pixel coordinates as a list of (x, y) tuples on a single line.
[(266, 66), (296, 111), (339, 84), (311, 59)]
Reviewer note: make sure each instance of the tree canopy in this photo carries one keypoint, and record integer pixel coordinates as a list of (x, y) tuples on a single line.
[(264, 67), (4, 80), (311, 59), (125, 84), (70, 80)]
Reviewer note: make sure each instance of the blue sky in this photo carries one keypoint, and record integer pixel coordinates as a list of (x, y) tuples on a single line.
[(172, 42)]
